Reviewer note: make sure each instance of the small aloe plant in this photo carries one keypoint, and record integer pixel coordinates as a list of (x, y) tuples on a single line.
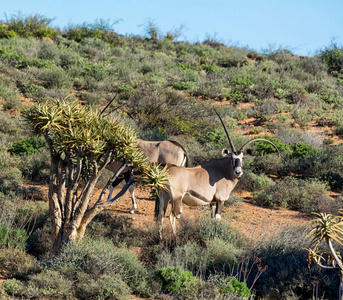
[(327, 228)]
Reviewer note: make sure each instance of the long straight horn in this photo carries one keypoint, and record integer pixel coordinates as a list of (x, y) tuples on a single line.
[(256, 140), (109, 103), (227, 134)]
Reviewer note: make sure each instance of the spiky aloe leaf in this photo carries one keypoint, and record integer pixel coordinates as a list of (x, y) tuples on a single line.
[(155, 175), (79, 131), (326, 226), (47, 116)]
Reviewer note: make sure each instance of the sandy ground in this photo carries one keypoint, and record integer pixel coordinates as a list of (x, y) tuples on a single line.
[(253, 221)]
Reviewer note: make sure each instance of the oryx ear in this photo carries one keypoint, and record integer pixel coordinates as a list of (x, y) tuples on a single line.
[(225, 152)]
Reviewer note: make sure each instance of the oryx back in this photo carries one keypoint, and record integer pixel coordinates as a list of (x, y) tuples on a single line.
[(165, 152)]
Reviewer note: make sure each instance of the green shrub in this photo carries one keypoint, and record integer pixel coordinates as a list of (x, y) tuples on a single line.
[(215, 256), (10, 175), (153, 135), (302, 149), (199, 289), (94, 98), (264, 148), (335, 180), (303, 115), (86, 256), (19, 218), (100, 257), (254, 182), (12, 237), (29, 25), (109, 286), (27, 146), (50, 284), (11, 127), (13, 287), (331, 95), (69, 59), (5, 32), (292, 193), (233, 200), (174, 279), (36, 167), (215, 136), (30, 90), (232, 286), (77, 33), (236, 58), (223, 255), (47, 51), (137, 277), (257, 130), (188, 86), (265, 109), (210, 68), (237, 97), (18, 53), (168, 110), (96, 71), (209, 229), (197, 243), (12, 103), (10, 96), (315, 164), (100, 28), (18, 263), (3, 294), (268, 164), (55, 78), (39, 242), (339, 130), (195, 258), (333, 57)]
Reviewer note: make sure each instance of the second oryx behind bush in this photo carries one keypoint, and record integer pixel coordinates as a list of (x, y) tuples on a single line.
[(210, 183), (161, 152)]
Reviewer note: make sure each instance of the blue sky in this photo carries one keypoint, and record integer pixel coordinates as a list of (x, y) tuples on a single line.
[(303, 26)]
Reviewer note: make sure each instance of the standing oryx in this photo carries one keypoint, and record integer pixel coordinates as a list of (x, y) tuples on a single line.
[(207, 184), (162, 152)]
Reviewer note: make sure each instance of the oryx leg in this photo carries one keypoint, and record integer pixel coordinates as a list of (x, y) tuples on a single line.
[(175, 212), (114, 184), (180, 211), (162, 207), (219, 207), (127, 176), (213, 210), (134, 204)]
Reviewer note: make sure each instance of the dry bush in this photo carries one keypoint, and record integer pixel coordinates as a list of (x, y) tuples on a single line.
[(18, 263)]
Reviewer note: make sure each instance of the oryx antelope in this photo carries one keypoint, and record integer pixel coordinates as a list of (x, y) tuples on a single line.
[(162, 152), (210, 183)]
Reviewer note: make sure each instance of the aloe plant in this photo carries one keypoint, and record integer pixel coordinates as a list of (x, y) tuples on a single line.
[(82, 143), (327, 228)]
